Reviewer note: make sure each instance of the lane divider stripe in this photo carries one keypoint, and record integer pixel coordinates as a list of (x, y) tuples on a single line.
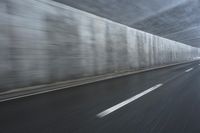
[(120, 105), (189, 70)]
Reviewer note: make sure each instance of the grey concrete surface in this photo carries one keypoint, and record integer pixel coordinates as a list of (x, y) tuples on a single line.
[(174, 19), (172, 108), (43, 42)]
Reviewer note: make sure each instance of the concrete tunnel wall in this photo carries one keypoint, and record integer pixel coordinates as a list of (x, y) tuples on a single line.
[(43, 42)]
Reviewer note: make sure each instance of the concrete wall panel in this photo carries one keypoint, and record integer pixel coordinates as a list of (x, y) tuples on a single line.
[(44, 42)]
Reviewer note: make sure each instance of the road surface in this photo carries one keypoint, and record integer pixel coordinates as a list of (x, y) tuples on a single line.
[(159, 101)]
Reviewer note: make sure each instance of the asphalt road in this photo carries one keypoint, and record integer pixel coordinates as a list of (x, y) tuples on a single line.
[(160, 101)]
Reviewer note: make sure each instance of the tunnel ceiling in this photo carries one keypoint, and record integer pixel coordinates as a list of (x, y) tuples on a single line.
[(177, 20)]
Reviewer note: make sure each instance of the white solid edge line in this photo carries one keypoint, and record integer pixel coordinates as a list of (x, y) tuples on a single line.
[(120, 105), (189, 70)]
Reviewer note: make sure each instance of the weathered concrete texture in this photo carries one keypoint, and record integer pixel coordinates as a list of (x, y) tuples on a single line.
[(173, 19), (42, 42)]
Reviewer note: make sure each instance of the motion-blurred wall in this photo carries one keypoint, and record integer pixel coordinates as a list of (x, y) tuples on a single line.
[(44, 42)]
